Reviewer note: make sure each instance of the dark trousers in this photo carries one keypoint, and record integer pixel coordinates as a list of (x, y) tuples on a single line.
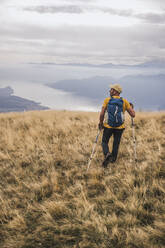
[(107, 133)]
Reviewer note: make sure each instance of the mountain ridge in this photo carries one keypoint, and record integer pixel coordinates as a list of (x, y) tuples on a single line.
[(12, 103), (135, 88), (148, 64)]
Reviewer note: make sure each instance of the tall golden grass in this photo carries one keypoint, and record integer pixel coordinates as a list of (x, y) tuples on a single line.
[(49, 199)]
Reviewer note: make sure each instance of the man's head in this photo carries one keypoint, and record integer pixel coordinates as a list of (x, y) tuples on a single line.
[(115, 90)]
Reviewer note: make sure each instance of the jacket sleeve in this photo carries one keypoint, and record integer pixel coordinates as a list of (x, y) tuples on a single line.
[(105, 103), (126, 105)]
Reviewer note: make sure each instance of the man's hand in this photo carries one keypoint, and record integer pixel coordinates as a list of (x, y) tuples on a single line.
[(132, 106), (100, 126), (131, 111)]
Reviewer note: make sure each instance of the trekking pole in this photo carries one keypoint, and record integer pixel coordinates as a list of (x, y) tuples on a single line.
[(94, 148), (134, 139)]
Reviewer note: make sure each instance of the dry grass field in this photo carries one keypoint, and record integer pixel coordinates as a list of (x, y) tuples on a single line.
[(48, 199)]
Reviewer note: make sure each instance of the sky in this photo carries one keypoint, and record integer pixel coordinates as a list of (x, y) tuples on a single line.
[(35, 35), (81, 31)]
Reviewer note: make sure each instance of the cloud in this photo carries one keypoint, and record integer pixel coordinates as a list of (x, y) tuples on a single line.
[(80, 1), (157, 18), (4, 1), (51, 38), (77, 9), (157, 2), (85, 44), (119, 12), (71, 9), (152, 18)]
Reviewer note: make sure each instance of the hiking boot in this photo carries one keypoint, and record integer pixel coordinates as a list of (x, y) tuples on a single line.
[(106, 160), (112, 159)]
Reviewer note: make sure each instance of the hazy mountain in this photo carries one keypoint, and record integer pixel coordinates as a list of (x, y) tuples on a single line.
[(149, 64), (145, 91), (6, 92), (152, 64), (11, 103), (95, 88)]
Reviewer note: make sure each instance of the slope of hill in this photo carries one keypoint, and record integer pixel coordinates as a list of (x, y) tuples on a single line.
[(48, 199)]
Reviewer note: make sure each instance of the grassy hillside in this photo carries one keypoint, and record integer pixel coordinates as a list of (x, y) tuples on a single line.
[(48, 199)]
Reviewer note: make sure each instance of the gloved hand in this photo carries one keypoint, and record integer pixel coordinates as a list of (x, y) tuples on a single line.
[(100, 126), (131, 105)]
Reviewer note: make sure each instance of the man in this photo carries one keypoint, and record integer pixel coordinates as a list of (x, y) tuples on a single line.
[(114, 107)]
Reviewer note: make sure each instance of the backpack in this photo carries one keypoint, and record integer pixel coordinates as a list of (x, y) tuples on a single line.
[(115, 112)]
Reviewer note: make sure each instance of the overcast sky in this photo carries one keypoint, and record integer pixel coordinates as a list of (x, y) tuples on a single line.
[(82, 31)]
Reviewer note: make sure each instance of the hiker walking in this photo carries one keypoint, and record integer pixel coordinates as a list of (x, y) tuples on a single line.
[(112, 121)]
